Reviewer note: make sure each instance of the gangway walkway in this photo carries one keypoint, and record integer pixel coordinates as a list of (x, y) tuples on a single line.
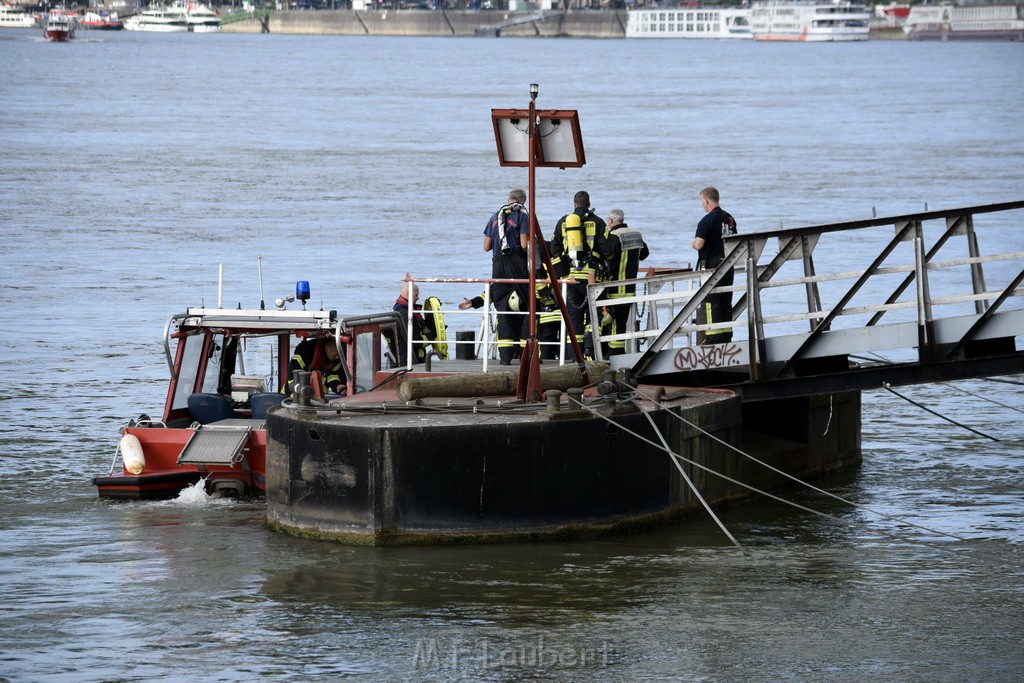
[(802, 320)]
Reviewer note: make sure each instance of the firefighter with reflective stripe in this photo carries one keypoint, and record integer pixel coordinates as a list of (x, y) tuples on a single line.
[(628, 250), (505, 236), (319, 354), (423, 329), (581, 242), (716, 224), (548, 318)]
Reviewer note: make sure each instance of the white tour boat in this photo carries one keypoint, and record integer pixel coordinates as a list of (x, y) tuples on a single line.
[(809, 21), (968, 22), (11, 17), (159, 19), (201, 19), (689, 22)]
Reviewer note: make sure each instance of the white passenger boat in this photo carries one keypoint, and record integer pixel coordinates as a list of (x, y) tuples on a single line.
[(809, 21), (201, 19), (969, 22), (11, 17), (689, 22), (159, 19)]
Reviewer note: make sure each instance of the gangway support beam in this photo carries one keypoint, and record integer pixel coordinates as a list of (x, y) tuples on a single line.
[(875, 377), (957, 350)]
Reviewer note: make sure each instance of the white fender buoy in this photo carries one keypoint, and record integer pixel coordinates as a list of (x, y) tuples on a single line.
[(131, 454)]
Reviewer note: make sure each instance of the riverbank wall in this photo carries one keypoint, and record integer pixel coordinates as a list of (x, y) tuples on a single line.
[(590, 24)]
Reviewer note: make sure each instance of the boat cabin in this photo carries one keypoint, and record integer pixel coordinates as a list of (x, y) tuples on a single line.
[(228, 368), (234, 358)]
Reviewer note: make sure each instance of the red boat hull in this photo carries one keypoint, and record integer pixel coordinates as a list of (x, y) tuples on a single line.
[(158, 486), (164, 478), (102, 25), (58, 36)]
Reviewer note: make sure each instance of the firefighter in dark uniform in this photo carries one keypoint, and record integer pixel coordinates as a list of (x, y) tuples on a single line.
[(321, 355), (581, 244), (506, 235), (422, 327), (716, 224), (548, 317), (628, 250)]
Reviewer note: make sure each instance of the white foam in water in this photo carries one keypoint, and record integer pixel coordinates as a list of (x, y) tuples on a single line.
[(195, 494)]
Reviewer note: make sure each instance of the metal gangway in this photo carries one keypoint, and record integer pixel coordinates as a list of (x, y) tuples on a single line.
[(929, 306)]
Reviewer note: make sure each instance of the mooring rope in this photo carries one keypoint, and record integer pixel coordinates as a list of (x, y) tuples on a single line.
[(983, 398), (689, 482), (726, 477), (885, 361), (1003, 380), (888, 388), (770, 467)]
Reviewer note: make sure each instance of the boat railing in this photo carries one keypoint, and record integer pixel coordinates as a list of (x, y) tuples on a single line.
[(478, 327), (661, 294)]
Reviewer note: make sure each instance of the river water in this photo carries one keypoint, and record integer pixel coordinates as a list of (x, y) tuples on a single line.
[(134, 165)]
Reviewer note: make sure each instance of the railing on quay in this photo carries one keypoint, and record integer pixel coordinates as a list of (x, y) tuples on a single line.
[(484, 341)]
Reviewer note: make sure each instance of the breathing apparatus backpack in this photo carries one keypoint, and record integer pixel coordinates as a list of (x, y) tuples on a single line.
[(506, 246), (575, 243)]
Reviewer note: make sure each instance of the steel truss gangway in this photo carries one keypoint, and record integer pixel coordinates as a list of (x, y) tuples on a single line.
[(806, 320)]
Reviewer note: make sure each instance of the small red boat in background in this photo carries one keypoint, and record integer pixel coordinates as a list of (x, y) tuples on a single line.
[(100, 20)]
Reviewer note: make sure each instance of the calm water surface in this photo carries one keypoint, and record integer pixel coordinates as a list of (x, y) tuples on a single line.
[(133, 165)]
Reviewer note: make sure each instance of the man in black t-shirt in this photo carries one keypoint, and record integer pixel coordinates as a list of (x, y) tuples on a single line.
[(717, 224)]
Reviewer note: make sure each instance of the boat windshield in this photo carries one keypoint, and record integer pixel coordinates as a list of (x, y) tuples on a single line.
[(188, 370)]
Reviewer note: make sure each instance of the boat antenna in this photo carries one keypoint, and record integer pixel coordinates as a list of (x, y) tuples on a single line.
[(320, 245), (220, 286), (259, 263)]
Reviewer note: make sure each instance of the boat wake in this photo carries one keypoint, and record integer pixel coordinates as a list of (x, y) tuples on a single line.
[(195, 495)]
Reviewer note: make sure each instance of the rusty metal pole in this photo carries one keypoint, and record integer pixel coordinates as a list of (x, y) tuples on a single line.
[(528, 387)]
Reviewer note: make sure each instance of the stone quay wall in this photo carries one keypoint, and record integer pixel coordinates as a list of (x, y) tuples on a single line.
[(589, 24)]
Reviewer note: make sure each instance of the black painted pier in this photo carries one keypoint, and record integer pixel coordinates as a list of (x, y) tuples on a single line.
[(489, 470)]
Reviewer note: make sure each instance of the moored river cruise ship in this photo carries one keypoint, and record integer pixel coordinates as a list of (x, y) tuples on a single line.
[(690, 22), (159, 20), (970, 22), (11, 17), (802, 21)]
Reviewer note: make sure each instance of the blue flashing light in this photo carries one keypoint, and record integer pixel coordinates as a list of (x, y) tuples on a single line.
[(302, 291)]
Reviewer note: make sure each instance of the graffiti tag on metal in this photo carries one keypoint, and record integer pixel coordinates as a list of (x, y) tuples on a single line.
[(706, 357)]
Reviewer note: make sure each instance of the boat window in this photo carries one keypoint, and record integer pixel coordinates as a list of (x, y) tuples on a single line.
[(187, 373), (364, 361), (213, 376), (258, 357)]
